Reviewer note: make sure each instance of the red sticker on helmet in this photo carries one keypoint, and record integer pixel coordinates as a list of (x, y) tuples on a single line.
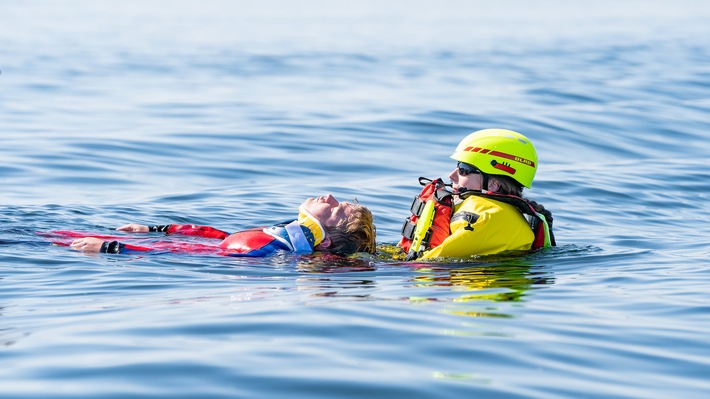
[(503, 167)]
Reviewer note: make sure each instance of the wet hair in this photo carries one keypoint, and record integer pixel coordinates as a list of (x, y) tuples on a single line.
[(355, 234)]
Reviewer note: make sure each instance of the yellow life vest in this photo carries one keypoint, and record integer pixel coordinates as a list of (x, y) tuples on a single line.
[(484, 226)]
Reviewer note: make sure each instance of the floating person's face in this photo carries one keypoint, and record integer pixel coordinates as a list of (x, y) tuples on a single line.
[(327, 210)]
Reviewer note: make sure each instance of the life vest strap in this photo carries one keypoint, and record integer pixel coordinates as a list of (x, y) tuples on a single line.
[(417, 206), (408, 229)]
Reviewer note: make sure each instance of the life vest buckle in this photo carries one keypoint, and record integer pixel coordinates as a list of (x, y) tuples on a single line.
[(417, 206), (408, 229)]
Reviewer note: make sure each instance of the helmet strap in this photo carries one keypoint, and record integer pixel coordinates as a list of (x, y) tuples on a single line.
[(464, 192)]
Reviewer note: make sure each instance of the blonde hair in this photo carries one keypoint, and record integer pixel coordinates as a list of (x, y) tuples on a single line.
[(355, 234)]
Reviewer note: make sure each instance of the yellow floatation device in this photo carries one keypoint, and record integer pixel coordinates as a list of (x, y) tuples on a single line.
[(422, 229), (306, 219)]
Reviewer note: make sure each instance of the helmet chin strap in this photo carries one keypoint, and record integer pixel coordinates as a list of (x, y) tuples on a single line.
[(464, 191)]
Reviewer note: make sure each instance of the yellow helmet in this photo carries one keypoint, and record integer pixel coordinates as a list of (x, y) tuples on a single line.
[(499, 152)]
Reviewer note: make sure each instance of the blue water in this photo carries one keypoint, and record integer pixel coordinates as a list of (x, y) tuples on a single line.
[(231, 113)]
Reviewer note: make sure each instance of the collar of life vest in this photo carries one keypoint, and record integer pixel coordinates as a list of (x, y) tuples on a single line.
[(300, 236), (316, 230)]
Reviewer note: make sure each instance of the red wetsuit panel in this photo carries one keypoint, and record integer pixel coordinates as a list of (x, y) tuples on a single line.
[(199, 231), (247, 241), (253, 243)]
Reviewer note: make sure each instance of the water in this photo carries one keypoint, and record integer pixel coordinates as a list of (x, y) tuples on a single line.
[(231, 113)]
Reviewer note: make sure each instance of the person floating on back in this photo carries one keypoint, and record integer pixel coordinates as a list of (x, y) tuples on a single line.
[(482, 211), (323, 224)]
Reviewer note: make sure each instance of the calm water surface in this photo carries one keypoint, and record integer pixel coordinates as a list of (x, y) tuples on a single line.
[(231, 113)]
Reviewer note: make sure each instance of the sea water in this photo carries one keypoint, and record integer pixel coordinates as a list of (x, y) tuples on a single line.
[(230, 113)]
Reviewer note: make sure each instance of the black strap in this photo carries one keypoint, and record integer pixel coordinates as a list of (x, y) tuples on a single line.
[(441, 193), (408, 232), (159, 228), (112, 247), (417, 206), (408, 229)]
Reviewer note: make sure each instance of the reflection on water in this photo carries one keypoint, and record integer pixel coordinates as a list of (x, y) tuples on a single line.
[(330, 276), (321, 262), (478, 285), (464, 377)]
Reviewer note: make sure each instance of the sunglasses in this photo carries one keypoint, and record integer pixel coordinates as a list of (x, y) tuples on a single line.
[(466, 169)]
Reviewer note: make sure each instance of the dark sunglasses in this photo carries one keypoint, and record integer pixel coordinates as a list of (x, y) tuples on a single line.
[(466, 169)]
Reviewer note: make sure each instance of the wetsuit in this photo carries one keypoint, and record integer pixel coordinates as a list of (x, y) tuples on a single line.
[(298, 236)]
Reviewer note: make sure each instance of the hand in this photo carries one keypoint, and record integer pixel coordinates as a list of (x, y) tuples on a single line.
[(87, 244), (134, 228)]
